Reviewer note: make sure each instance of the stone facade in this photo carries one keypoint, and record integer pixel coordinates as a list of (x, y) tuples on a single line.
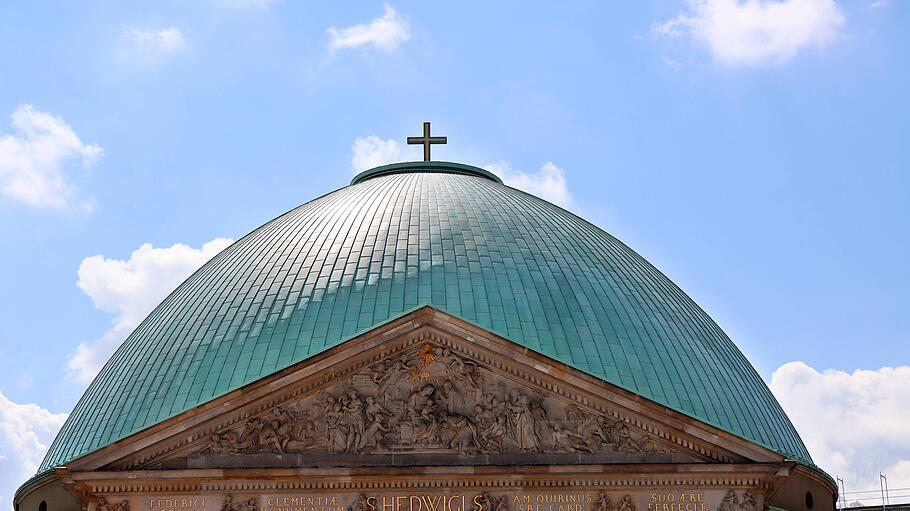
[(429, 413)]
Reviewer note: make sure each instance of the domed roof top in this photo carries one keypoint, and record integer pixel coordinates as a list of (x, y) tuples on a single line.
[(406, 235)]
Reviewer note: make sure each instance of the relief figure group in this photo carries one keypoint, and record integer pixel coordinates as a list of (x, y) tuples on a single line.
[(427, 399)]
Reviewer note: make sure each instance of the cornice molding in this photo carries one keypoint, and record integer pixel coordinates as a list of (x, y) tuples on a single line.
[(189, 430)]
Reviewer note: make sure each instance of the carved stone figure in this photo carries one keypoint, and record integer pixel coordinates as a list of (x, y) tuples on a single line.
[(730, 502), (359, 504), (417, 401), (372, 410), (104, 505), (372, 435), (566, 440), (334, 431), (521, 422), (247, 505), (460, 433), (622, 439), (428, 398), (224, 443), (489, 429), (748, 503), (626, 504), (487, 503), (602, 503)]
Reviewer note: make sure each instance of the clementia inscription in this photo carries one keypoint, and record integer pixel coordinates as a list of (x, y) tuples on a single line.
[(302, 503)]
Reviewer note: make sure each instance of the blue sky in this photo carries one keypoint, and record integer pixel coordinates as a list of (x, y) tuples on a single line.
[(755, 152)]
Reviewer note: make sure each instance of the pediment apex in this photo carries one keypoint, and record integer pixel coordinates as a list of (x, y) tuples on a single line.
[(424, 387)]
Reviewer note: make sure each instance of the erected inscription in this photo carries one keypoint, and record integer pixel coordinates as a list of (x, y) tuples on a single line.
[(677, 501)]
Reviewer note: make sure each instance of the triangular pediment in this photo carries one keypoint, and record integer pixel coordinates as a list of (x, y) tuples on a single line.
[(425, 389)]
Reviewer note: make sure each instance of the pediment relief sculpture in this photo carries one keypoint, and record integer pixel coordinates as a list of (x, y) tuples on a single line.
[(429, 399)]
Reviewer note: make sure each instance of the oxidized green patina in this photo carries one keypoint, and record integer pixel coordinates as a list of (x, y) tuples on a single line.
[(403, 236)]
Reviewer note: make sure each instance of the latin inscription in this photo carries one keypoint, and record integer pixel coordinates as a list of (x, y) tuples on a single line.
[(302, 504), (177, 504), (422, 503), (552, 502), (677, 501), (655, 500)]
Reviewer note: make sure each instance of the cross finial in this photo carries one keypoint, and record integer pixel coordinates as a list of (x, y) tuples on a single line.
[(426, 140)]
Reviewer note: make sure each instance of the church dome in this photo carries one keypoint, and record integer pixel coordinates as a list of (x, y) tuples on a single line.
[(406, 235)]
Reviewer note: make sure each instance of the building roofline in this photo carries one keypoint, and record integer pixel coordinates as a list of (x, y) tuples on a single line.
[(445, 167)]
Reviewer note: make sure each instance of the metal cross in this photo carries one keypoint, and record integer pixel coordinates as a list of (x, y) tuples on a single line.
[(426, 140)]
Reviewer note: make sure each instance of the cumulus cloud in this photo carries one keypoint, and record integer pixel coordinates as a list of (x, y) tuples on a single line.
[(549, 182), (25, 432), (854, 424), (151, 46), (755, 32), (35, 160), (372, 151), (385, 33), (131, 289)]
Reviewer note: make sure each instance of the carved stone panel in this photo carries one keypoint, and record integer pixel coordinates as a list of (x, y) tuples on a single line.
[(429, 399)]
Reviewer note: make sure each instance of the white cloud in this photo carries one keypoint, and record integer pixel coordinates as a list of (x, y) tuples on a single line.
[(756, 32), (548, 183), (25, 432), (672, 64), (854, 424), (372, 151), (131, 289), (151, 46), (384, 33), (34, 160)]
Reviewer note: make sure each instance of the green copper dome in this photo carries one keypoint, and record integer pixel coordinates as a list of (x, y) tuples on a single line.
[(401, 236)]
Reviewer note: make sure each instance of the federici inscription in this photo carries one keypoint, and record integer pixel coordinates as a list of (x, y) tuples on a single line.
[(177, 504)]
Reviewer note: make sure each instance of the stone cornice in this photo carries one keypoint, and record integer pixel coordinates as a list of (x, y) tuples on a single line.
[(188, 430), (283, 480)]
